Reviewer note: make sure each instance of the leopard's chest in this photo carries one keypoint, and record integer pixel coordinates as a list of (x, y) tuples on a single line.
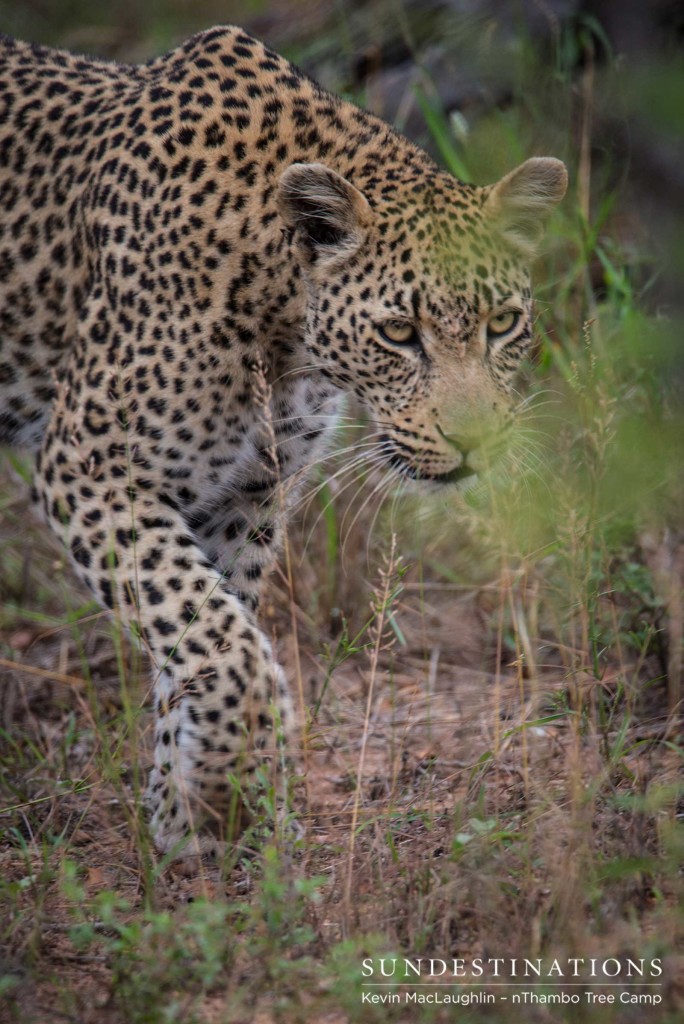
[(258, 459)]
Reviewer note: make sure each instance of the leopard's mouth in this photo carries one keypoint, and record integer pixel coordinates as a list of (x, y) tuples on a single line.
[(422, 474)]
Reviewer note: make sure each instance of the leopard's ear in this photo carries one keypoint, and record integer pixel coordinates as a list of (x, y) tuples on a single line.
[(522, 202), (326, 212)]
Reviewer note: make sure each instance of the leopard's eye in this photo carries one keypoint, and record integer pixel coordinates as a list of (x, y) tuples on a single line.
[(503, 323), (399, 332)]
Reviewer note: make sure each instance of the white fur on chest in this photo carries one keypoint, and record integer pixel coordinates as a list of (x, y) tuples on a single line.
[(251, 482), (285, 439)]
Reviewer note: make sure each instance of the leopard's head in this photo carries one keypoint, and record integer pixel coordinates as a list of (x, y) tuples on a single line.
[(419, 302)]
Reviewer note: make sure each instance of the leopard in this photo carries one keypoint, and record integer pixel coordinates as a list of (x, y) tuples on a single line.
[(202, 257)]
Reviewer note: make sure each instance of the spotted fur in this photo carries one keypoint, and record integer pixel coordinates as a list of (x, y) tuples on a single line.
[(198, 257)]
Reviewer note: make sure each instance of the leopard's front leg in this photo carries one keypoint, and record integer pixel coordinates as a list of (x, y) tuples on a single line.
[(215, 681), (214, 722), (217, 690)]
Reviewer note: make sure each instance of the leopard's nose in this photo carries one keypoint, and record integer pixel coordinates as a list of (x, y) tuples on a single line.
[(487, 445), (462, 442)]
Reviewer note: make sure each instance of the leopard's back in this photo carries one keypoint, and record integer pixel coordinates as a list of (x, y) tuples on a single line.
[(57, 113)]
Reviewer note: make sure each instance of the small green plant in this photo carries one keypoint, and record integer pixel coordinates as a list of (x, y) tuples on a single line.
[(162, 962)]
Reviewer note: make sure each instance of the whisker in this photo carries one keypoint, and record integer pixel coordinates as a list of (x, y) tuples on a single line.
[(362, 461), (392, 478), (357, 479), (384, 484)]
